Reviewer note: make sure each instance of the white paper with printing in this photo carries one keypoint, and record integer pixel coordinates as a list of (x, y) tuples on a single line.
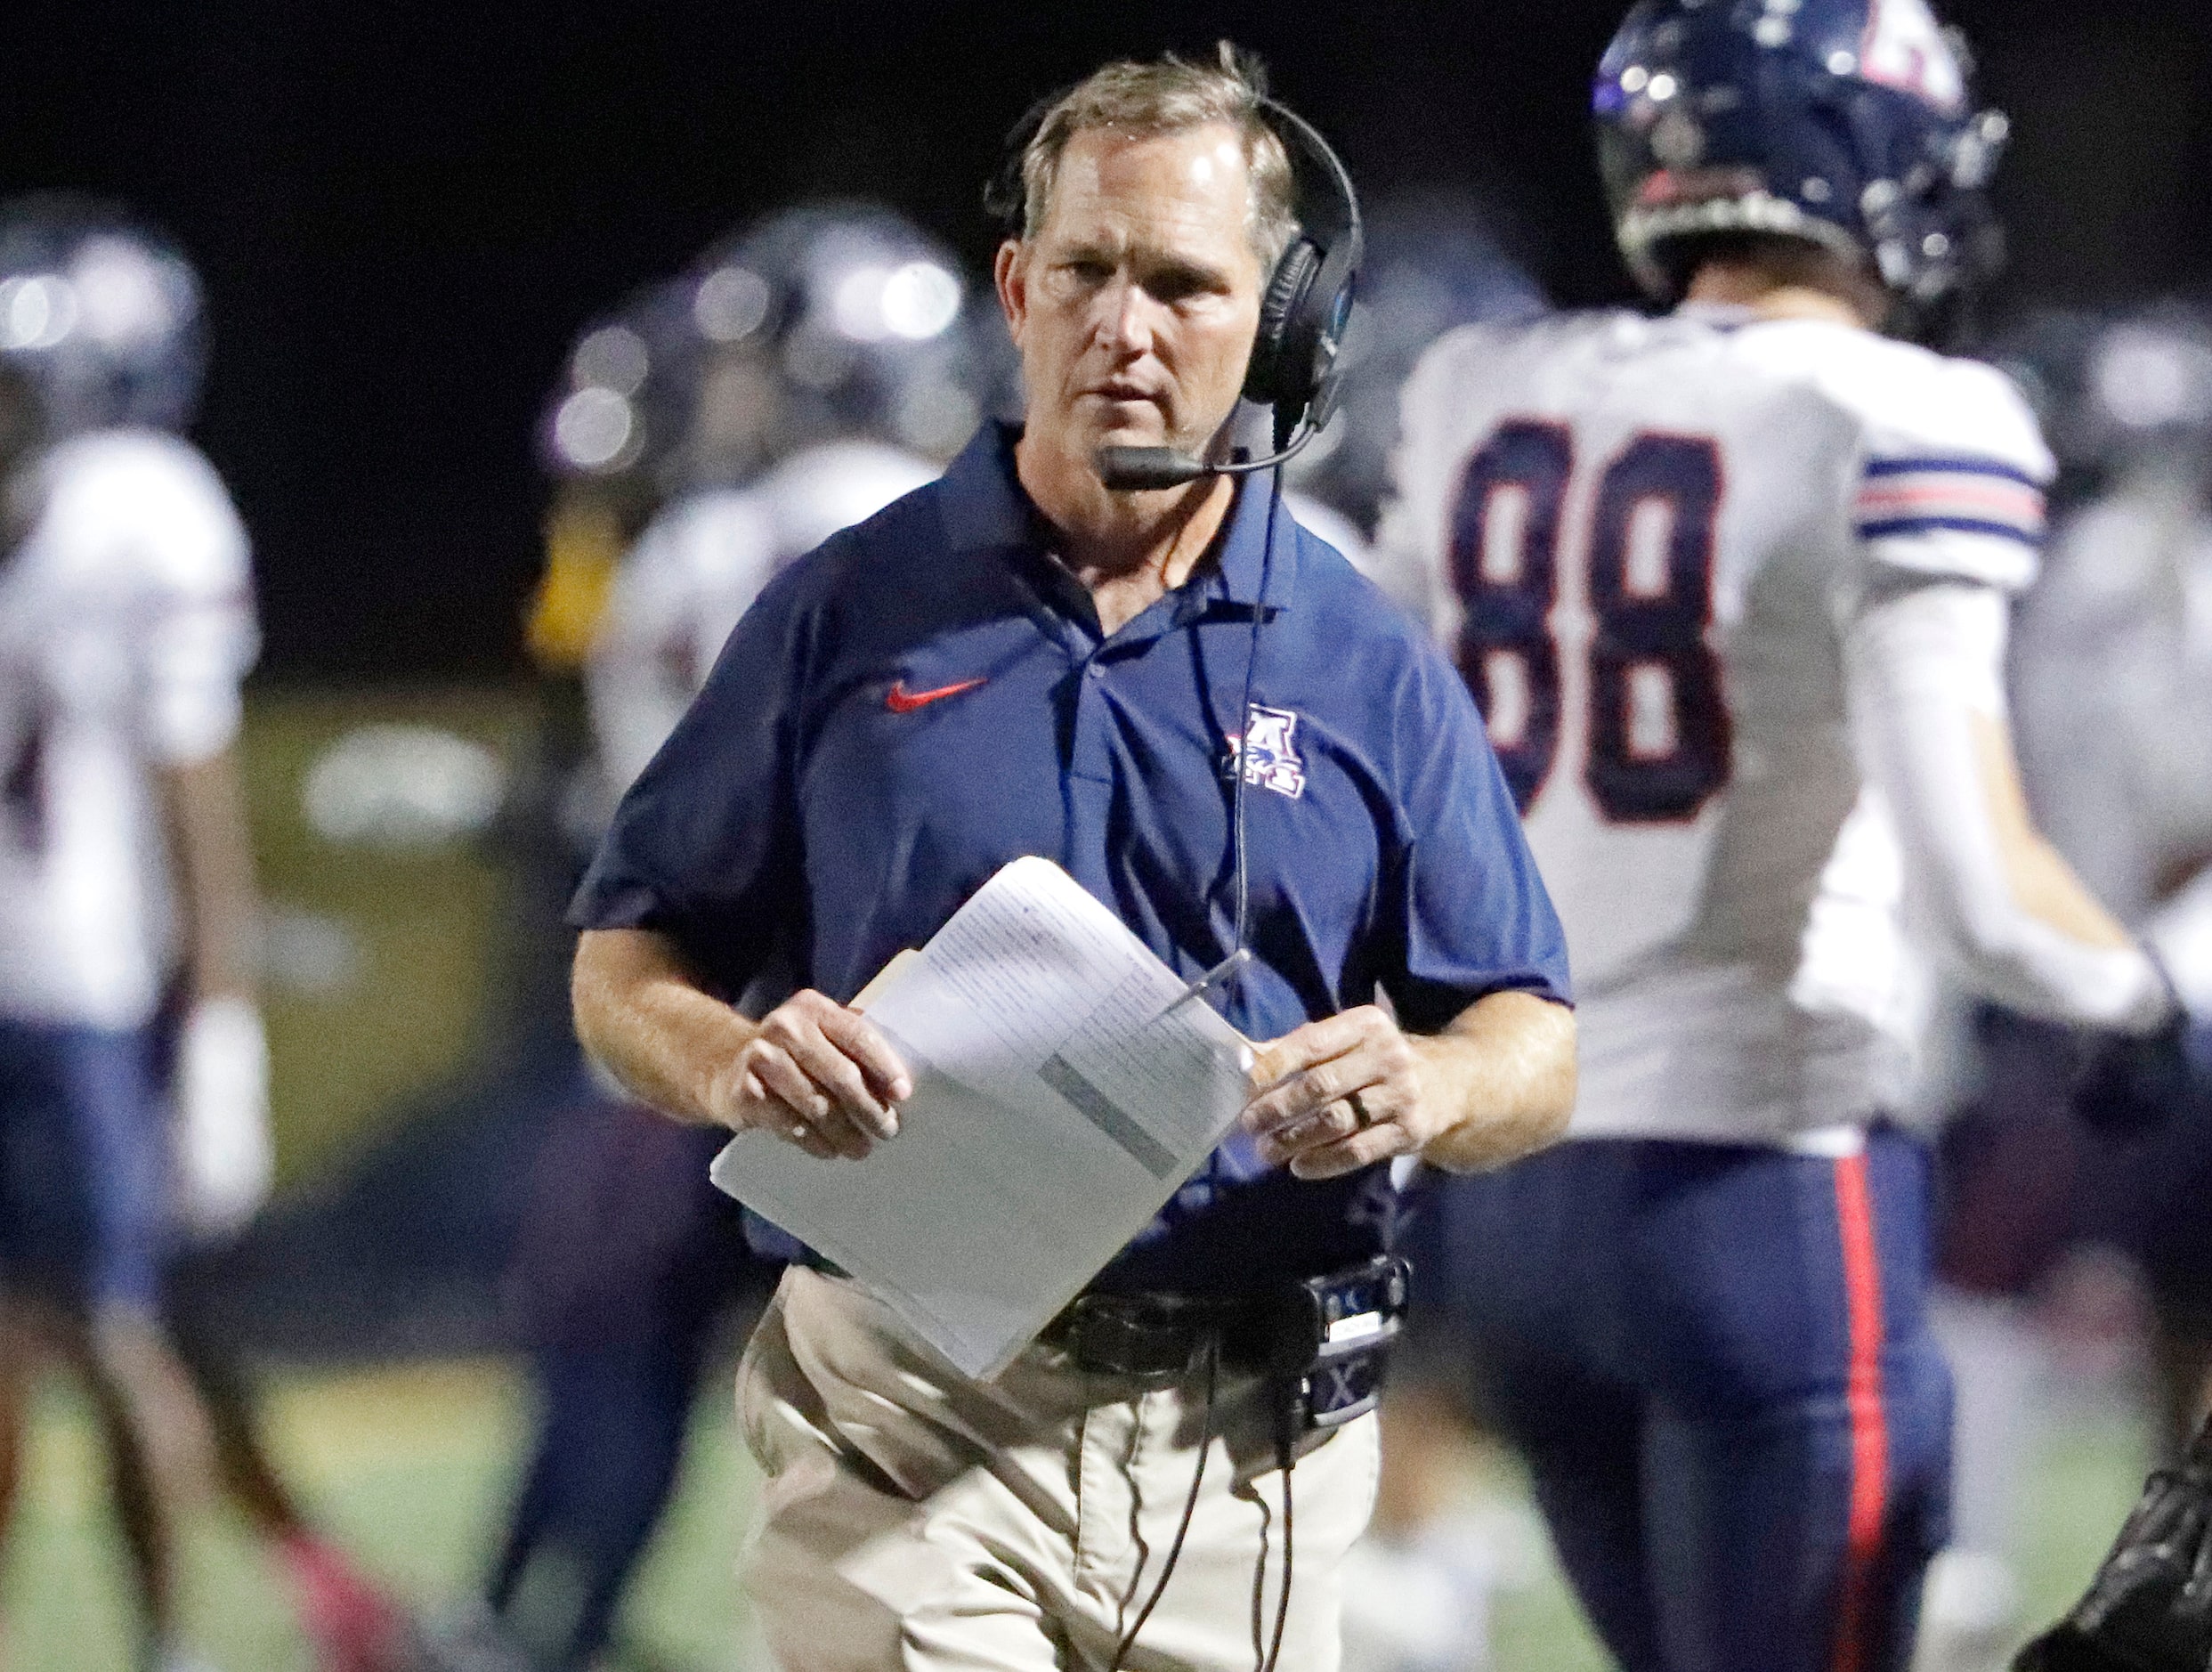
[(1061, 1096)]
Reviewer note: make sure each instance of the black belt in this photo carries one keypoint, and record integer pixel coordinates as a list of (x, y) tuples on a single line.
[(1155, 1333), (1326, 1338)]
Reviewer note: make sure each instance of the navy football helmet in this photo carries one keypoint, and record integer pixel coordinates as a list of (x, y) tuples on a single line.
[(621, 410), (100, 316), (1848, 123), (833, 320)]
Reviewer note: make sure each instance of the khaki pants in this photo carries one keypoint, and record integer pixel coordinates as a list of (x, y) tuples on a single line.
[(916, 1519)]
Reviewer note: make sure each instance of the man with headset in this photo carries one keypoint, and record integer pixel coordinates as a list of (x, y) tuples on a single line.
[(1029, 658)]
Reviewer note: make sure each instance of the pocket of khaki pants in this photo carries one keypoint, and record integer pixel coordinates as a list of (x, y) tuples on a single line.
[(754, 1394)]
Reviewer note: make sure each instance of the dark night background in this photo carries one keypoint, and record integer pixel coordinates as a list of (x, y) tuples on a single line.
[(404, 211)]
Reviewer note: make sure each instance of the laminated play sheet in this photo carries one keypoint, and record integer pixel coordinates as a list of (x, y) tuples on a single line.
[(1066, 1084)]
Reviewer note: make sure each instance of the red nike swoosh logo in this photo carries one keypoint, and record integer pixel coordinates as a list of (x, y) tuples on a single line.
[(901, 700)]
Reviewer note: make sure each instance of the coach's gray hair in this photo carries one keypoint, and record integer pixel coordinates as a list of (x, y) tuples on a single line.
[(1169, 96)]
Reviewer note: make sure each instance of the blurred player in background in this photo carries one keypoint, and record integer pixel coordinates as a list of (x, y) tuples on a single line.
[(808, 370), (589, 1288), (2112, 690), (126, 882), (835, 379), (2113, 676), (2119, 762), (1731, 587)]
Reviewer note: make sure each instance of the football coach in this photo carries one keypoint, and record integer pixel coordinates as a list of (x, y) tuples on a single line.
[(1170, 691)]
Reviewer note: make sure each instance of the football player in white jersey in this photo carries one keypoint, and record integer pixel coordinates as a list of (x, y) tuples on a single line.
[(126, 626), (1731, 588), (840, 349), (132, 1064)]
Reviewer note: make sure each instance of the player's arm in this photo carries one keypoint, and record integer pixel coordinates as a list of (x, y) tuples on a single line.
[(226, 1158), (811, 1071), (2181, 930), (1925, 662), (203, 805), (201, 642)]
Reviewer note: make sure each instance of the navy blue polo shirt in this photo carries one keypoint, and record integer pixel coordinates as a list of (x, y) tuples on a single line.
[(929, 696)]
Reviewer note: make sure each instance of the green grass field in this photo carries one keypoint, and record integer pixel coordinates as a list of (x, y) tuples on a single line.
[(412, 1467), (343, 1056), (409, 1467)]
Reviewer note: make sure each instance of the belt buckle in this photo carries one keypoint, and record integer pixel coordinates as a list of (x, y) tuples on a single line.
[(1126, 1336), (1125, 1339)]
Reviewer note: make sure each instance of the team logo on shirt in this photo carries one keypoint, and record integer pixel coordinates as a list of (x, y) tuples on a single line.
[(1271, 759)]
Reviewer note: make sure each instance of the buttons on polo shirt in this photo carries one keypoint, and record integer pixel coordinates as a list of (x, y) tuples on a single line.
[(1097, 670)]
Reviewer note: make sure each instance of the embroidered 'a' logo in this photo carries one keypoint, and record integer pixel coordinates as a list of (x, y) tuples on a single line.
[(1268, 753)]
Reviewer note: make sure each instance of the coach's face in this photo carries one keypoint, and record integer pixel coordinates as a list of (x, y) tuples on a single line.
[(1135, 304)]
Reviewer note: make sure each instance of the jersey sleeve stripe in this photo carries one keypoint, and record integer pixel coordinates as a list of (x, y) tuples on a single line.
[(2015, 504), (1951, 467), (1894, 527), (1975, 496)]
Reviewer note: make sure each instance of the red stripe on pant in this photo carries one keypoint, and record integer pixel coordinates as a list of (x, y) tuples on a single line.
[(1869, 1436)]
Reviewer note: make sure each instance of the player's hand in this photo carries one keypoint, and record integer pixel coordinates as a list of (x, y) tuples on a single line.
[(816, 1074), (224, 1159), (1337, 1094)]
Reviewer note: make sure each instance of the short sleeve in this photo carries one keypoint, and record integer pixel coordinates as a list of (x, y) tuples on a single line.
[(145, 516), (1470, 905), (1951, 486), (198, 657), (703, 846)]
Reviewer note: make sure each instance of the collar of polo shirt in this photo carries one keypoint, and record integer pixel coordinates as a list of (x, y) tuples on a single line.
[(987, 509)]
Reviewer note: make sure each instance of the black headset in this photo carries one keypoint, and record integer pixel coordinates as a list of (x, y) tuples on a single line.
[(1308, 297), (1303, 307)]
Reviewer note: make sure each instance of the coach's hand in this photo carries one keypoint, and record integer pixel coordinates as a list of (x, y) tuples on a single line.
[(815, 1074), (1334, 1095), (1496, 1082)]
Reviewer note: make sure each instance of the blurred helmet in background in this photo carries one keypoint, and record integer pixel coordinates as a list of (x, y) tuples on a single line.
[(835, 320), (617, 418), (611, 438), (101, 316), (1851, 124), (2113, 390), (1433, 263), (2148, 386)]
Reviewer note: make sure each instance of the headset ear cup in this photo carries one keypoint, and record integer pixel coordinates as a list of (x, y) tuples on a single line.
[(1269, 380)]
